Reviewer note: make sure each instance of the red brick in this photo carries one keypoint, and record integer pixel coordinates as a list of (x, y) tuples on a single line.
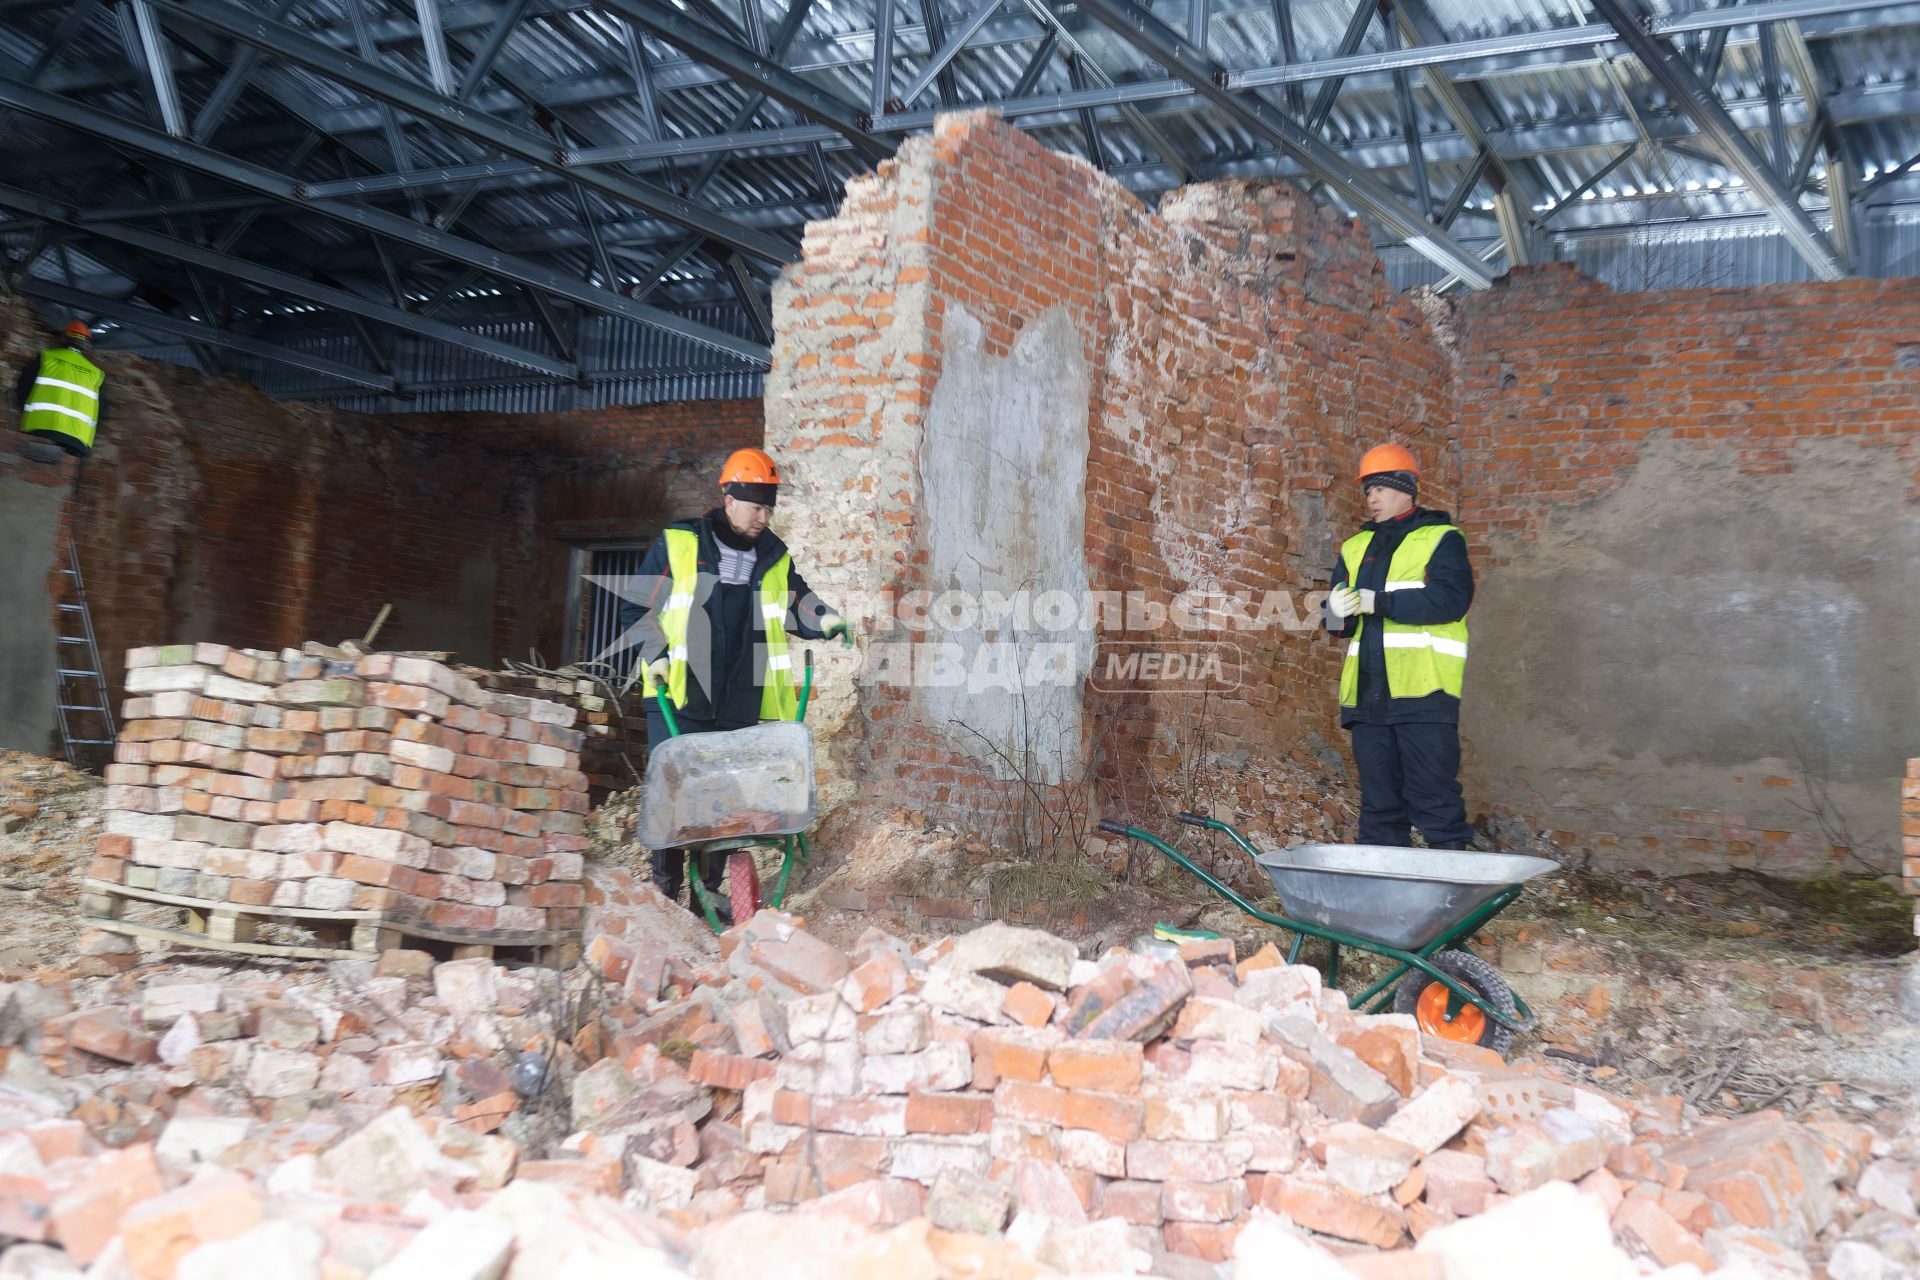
[(949, 1113)]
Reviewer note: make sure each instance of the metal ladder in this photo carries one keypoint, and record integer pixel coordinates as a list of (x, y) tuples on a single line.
[(80, 676)]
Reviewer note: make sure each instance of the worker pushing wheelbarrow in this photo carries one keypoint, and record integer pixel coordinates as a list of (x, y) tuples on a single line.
[(1417, 907), (714, 607)]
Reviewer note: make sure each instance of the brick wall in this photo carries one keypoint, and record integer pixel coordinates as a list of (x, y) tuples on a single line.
[(613, 475), (210, 510), (1694, 521), (1243, 348)]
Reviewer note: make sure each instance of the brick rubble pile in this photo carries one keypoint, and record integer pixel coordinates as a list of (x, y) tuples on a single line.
[(991, 1106), (379, 783)]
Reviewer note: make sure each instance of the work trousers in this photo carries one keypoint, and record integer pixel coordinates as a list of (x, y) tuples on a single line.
[(670, 865), (1410, 776)]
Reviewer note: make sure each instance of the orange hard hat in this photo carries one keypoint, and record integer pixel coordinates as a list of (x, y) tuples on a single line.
[(1387, 457), (749, 466), (78, 329)]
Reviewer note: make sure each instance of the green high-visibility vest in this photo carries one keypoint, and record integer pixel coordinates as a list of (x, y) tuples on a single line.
[(65, 399), (1420, 659), (778, 701)]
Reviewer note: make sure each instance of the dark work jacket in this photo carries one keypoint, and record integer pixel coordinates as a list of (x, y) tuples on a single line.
[(733, 616), (1445, 598)]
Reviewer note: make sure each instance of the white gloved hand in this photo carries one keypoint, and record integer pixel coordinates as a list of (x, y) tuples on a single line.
[(657, 672), (1344, 602)]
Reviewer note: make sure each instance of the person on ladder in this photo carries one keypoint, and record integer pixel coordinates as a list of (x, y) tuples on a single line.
[(62, 397), (1399, 598), (720, 597)]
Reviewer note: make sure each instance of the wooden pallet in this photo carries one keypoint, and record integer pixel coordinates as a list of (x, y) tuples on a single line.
[(339, 935)]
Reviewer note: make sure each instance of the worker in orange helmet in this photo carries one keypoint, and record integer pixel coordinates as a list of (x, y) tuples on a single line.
[(721, 598), (62, 396), (1399, 598)]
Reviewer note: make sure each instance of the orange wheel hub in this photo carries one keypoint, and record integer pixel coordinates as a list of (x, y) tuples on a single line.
[(1468, 1025)]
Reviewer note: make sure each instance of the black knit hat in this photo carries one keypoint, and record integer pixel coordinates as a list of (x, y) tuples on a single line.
[(1405, 481), (763, 494)]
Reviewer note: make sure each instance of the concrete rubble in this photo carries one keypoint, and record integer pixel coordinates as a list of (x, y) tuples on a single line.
[(990, 1105)]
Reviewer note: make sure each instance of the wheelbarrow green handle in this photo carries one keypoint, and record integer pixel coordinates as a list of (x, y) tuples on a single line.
[(666, 710), (1193, 819), (806, 687)]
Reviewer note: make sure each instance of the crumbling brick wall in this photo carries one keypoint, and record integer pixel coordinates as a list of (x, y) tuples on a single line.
[(1240, 349), (1694, 515)]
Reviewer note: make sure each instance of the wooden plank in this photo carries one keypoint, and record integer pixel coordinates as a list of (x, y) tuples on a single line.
[(244, 948), (204, 904)]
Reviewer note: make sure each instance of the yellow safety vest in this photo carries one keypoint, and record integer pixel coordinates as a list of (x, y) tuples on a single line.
[(778, 701), (65, 399), (1420, 659)]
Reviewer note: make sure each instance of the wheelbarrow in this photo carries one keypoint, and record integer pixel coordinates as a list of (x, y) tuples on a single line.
[(1410, 905), (732, 793)]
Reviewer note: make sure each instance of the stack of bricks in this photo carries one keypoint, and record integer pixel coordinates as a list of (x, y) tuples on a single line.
[(1910, 836), (613, 750), (382, 783)]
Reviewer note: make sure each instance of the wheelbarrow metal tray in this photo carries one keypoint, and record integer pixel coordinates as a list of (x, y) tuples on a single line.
[(756, 781), (1404, 898)]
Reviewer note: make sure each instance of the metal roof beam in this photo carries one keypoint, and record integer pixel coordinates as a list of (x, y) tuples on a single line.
[(435, 41), (783, 39), (267, 182), (1349, 45), (1157, 41), (386, 87), (159, 322), (946, 53), (1599, 175), (489, 50), (1091, 69), (1698, 101), (149, 50), (752, 68), (282, 282), (227, 92), (1476, 114)]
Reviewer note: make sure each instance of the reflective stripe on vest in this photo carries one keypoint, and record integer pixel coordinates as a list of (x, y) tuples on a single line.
[(778, 700), (1420, 659), (65, 399)]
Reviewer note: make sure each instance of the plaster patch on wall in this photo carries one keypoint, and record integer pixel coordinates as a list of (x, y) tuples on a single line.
[(1002, 466)]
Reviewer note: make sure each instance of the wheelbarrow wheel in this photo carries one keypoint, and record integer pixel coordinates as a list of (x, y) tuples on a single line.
[(1426, 1000), (743, 885)]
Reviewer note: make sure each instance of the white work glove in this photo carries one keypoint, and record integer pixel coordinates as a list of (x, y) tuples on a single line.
[(1344, 602), (657, 672)]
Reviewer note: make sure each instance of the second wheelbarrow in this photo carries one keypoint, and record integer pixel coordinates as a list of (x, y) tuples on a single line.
[(1410, 905)]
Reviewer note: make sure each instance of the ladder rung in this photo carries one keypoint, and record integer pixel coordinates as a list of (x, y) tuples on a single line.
[(72, 608), (77, 674), (72, 639), (92, 742), (83, 706)]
